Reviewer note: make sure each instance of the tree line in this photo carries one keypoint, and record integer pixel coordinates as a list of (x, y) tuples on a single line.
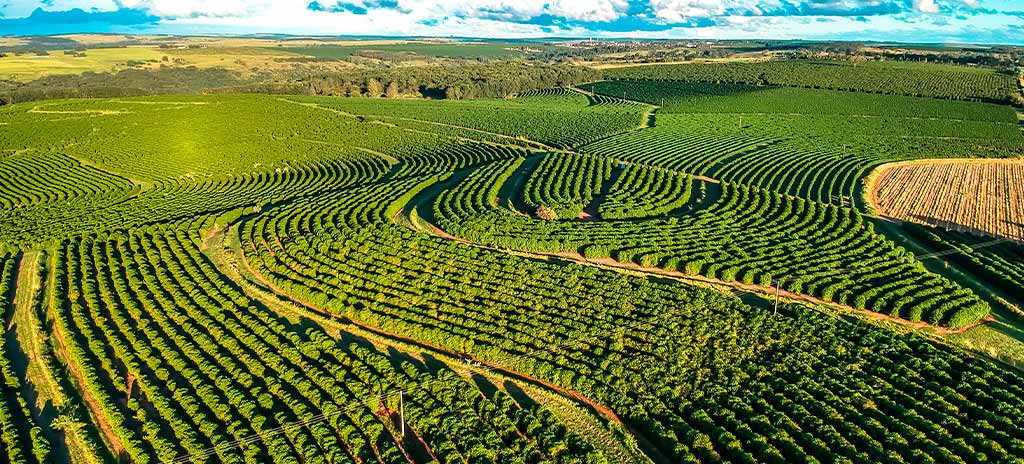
[(452, 80)]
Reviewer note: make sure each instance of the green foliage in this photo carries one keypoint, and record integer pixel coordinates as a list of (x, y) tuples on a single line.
[(641, 191), (704, 98), (214, 366), (566, 183), (1000, 265), (739, 384), (552, 121)]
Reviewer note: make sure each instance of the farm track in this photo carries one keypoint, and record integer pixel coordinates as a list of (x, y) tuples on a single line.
[(226, 253)]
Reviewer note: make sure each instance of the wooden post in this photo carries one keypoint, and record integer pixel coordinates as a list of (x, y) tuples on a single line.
[(401, 408), (778, 283)]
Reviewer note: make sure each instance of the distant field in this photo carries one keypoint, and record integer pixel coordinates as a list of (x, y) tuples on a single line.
[(456, 50), (970, 196), (29, 66), (899, 78), (237, 55), (816, 144)]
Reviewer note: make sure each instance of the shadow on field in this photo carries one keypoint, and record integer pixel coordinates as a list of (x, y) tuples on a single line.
[(1008, 324), (519, 395), (485, 386), (950, 226)]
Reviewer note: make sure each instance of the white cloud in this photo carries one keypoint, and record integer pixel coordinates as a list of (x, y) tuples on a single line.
[(520, 10), (508, 18), (193, 8), (926, 6), (22, 8), (676, 11)]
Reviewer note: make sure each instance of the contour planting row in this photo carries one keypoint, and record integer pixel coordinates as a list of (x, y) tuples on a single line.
[(455, 156), (642, 191), (555, 121), (827, 176), (749, 235), (815, 157), (46, 223), (673, 145), (1000, 264), (180, 361), (28, 178), (566, 183), (702, 377)]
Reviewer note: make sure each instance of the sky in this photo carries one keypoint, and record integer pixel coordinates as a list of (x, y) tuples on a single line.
[(914, 21)]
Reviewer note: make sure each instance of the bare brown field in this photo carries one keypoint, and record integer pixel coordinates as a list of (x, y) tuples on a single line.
[(979, 196)]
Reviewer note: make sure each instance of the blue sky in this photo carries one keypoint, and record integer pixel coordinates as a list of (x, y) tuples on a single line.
[(943, 21)]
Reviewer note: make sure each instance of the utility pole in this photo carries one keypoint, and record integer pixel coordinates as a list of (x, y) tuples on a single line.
[(775, 311), (401, 408), (741, 121)]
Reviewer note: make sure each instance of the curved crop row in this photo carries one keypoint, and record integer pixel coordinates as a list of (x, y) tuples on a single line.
[(550, 120), (566, 183), (642, 191), (32, 178), (752, 235), (703, 378), (176, 200), (1000, 264), (21, 440), (710, 98)]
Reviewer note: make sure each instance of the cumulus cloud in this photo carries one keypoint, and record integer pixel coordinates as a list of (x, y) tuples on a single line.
[(846, 19), (926, 6), (521, 10), (196, 8)]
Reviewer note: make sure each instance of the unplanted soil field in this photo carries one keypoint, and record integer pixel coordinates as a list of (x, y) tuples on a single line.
[(979, 196)]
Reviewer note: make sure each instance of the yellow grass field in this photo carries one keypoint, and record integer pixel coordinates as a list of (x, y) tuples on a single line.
[(28, 66), (980, 196), (240, 55)]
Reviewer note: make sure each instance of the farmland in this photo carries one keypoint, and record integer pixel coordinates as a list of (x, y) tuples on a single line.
[(892, 78), (656, 268), (984, 197)]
